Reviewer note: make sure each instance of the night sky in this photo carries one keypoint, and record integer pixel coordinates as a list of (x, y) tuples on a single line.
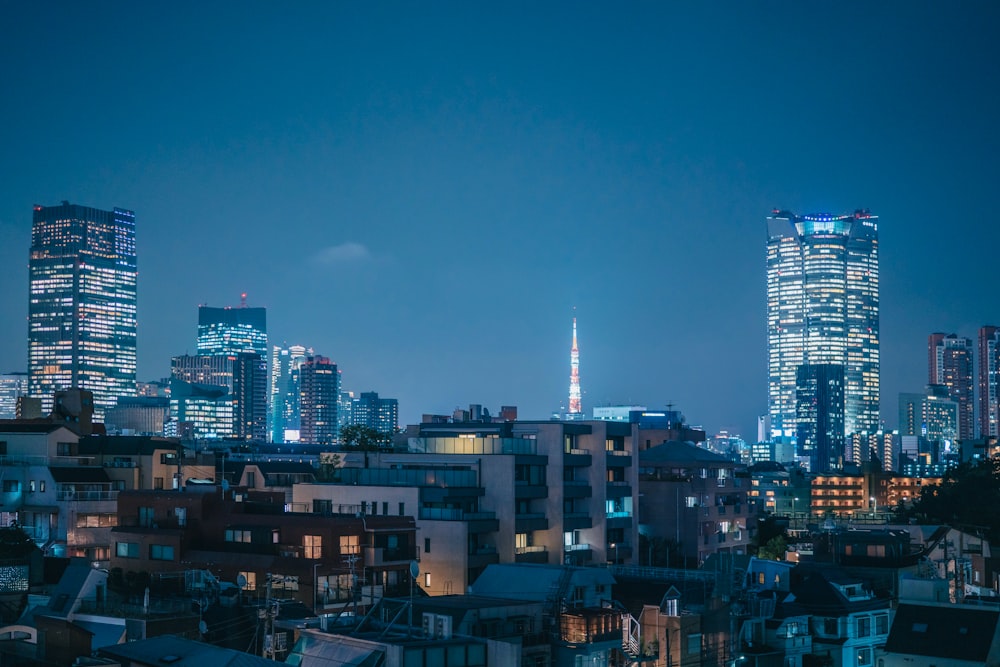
[(424, 191)]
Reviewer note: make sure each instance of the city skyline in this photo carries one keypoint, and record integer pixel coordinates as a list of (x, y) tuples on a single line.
[(424, 194)]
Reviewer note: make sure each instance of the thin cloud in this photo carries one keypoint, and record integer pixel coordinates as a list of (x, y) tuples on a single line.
[(342, 253)]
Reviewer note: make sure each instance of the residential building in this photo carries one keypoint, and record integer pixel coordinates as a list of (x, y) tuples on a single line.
[(12, 387), (236, 532), (319, 393), (823, 308), (381, 414), (949, 364), (573, 501), (989, 381), (694, 498), (232, 330), (283, 415), (82, 303)]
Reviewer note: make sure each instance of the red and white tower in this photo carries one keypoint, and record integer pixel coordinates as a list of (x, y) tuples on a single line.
[(575, 411)]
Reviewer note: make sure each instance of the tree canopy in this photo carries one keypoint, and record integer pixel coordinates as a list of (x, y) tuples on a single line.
[(968, 497)]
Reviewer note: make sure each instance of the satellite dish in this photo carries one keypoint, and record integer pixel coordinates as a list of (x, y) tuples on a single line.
[(241, 581), (414, 569), (203, 627)]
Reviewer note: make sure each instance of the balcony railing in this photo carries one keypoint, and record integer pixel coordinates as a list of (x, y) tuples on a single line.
[(529, 550), (72, 495), (25, 460)]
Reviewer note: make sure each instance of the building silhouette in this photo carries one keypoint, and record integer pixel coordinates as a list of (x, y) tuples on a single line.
[(823, 308), (82, 303), (949, 363)]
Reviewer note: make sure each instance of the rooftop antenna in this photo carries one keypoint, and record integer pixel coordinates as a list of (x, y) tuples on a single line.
[(243, 300)]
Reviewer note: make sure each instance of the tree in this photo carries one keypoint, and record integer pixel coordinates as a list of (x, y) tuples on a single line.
[(967, 496), (365, 438), (774, 549)]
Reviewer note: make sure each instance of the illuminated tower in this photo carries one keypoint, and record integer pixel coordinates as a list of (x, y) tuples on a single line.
[(575, 410), (823, 308), (82, 303)]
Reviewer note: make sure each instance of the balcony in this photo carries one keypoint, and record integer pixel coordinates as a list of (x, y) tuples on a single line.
[(524, 491), (615, 490), (577, 521), (526, 523), (577, 489), (74, 461), (577, 458), (531, 555), (483, 556), (619, 458), (72, 495), (380, 556), (578, 554)]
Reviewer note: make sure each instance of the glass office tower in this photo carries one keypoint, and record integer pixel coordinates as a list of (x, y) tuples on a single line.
[(823, 308), (82, 303)]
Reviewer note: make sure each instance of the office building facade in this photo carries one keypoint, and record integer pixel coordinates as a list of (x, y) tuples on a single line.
[(949, 364), (820, 415), (243, 376), (283, 414), (989, 381), (319, 394), (823, 308), (82, 303), (232, 330), (12, 387)]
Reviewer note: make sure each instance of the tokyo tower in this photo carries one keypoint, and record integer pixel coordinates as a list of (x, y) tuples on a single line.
[(575, 411)]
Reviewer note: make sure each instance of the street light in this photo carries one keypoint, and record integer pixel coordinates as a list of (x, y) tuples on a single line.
[(794, 502), (874, 506), (614, 553), (315, 588)]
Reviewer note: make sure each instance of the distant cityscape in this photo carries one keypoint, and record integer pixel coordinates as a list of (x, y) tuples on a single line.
[(822, 306), (250, 503)]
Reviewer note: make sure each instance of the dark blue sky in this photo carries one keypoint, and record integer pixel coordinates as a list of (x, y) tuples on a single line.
[(424, 191)]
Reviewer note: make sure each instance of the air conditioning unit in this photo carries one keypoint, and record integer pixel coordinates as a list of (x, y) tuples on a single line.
[(428, 624), (442, 626)]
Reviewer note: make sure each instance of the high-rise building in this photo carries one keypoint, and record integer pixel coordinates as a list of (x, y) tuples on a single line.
[(232, 330), (820, 415), (345, 409), (12, 387), (989, 381), (575, 407), (319, 391), (82, 303), (949, 360), (242, 375), (283, 414), (381, 414), (823, 308)]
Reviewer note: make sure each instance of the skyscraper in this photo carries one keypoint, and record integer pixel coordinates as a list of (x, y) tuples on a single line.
[(381, 414), (575, 407), (283, 415), (823, 308), (949, 364), (242, 375), (232, 330), (319, 391), (819, 393), (989, 381), (82, 303)]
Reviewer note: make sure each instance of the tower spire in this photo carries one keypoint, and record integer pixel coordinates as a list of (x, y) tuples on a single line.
[(575, 411)]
